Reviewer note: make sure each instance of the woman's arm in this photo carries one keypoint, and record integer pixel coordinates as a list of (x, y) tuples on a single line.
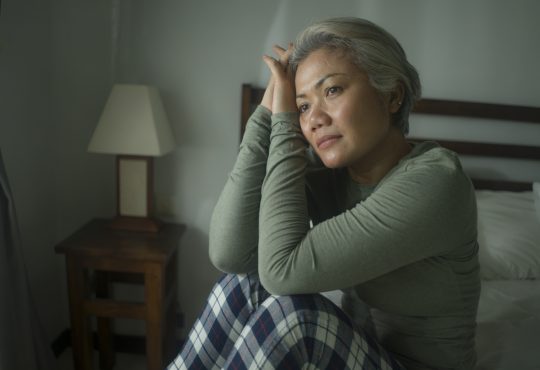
[(234, 226), (234, 231), (424, 210)]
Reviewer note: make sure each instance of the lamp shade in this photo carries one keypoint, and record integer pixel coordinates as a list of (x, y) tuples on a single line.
[(133, 122)]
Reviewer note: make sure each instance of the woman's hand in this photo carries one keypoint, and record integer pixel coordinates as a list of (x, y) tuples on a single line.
[(280, 95)]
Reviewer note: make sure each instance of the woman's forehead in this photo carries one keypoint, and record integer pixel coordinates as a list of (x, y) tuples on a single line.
[(321, 65)]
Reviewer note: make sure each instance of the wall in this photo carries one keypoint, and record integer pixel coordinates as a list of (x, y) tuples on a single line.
[(27, 144), (55, 75), (82, 75)]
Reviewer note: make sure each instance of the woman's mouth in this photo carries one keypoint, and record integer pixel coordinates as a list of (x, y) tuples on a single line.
[(327, 141)]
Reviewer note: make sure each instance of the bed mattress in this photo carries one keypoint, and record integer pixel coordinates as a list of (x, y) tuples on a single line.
[(508, 333)]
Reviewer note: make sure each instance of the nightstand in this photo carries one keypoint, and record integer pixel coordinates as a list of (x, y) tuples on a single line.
[(97, 256)]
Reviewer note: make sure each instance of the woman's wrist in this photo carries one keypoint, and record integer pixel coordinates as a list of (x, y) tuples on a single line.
[(268, 94)]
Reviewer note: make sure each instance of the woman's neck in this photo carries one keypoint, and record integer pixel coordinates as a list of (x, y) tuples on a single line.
[(376, 164)]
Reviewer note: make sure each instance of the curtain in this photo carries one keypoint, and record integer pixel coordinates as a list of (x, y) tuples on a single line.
[(23, 344)]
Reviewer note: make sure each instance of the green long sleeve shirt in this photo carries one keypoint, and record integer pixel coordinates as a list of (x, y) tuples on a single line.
[(406, 247)]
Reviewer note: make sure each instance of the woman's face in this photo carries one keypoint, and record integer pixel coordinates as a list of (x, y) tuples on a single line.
[(341, 115)]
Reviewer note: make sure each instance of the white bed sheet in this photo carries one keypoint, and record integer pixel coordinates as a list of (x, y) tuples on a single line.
[(508, 333)]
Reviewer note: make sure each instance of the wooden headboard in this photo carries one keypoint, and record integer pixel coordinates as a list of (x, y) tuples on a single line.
[(251, 96)]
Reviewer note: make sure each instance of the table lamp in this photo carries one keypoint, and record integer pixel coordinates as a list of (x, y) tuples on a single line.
[(133, 126)]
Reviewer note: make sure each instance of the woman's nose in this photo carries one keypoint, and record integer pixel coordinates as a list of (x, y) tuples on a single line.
[(318, 117)]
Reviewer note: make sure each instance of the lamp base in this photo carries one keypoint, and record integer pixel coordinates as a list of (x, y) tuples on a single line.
[(140, 224)]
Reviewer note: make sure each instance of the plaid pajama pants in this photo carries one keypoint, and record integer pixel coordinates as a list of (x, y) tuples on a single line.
[(244, 327)]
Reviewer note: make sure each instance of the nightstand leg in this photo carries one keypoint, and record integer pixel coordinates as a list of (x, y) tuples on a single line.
[(170, 321), (154, 297), (104, 326), (80, 328)]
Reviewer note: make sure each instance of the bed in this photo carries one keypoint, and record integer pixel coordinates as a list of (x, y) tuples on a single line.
[(508, 332)]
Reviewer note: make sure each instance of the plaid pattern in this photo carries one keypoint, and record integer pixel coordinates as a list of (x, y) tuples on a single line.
[(244, 327)]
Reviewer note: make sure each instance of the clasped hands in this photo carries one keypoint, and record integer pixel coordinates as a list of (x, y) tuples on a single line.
[(279, 95)]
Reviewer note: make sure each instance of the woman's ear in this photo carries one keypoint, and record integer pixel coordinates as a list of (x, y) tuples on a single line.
[(396, 98)]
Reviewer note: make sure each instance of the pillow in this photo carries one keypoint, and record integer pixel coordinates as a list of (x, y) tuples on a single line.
[(508, 234)]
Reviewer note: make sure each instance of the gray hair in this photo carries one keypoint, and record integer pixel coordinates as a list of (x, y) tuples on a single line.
[(372, 49)]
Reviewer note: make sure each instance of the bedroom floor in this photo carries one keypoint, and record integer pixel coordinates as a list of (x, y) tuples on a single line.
[(124, 361)]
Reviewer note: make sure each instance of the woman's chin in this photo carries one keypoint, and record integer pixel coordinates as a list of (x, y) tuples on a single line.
[(332, 162)]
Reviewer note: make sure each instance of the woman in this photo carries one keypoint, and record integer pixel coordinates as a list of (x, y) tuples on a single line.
[(394, 224)]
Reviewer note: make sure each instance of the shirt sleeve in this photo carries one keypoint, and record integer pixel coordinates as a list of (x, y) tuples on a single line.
[(234, 226), (412, 215)]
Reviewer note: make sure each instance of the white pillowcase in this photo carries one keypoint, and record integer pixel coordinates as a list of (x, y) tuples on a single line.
[(509, 234)]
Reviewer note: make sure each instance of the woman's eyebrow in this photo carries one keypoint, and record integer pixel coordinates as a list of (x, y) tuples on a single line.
[(320, 82)]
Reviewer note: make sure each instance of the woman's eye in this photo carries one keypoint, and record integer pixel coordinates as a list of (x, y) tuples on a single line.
[(333, 90), (302, 108)]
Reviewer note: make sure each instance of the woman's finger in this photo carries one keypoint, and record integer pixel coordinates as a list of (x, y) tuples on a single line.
[(282, 53), (278, 49), (289, 50), (276, 68), (283, 97)]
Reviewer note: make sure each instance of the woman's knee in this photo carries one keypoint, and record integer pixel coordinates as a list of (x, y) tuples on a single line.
[(235, 292), (295, 316)]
